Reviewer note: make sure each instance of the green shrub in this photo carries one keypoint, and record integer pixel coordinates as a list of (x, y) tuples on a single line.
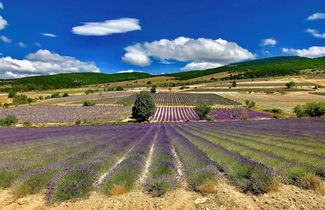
[(153, 89), (234, 84), (65, 95), (21, 99), (291, 84), (119, 88), (202, 110), (310, 109), (8, 121), (55, 95), (144, 106), (27, 124), (89, 91), (6, 105), (149, 83), (89, 103), (78, 122), (249, 103)]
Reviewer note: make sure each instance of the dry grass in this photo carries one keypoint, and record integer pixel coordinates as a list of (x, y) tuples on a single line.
[(207, 187), (118, 190), (313, 182)]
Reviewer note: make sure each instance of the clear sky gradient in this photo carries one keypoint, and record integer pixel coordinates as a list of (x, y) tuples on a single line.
[(47, 37)]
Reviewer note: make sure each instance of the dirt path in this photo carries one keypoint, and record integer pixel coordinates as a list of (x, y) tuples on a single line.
[(179, 166), (145, 171)]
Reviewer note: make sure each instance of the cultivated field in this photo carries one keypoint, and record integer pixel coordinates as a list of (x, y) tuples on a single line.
[(65, 114), (256, 157)]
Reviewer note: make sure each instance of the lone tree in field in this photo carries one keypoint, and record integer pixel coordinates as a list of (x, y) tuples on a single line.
[(144, 106)]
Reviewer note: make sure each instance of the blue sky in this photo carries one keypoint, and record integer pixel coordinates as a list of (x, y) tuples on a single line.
[(48, 37)]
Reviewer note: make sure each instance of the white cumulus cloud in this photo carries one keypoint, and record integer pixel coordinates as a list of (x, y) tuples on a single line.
[(1, 5), (5, 39), (43, 62), (183, 49), (128, 71), (3, 23), (317, 16), (107, 27), (200, 66), (49, 35), (311, 52), (315, 33), (269, 41)]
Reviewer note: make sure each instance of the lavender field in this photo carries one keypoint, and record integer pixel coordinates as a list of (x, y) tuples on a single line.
[(172, 114), (64, 114), (83, 97), (69, 162)]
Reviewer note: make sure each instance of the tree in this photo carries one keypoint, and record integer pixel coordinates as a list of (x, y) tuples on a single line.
[(310, 109), (144, 106), (291, 84), (11, 93), (234, 84), (153, 89), (9, 120), (202, 110)]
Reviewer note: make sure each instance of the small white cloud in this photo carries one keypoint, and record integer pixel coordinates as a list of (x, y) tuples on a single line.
[(315, 33), (48, 34), (317, 16), (311, 52), (107, 27), (1, 5), (128, 71), (22, 44), (269, 41), (185, 49), (5, 39), (43, 62), (200, 66), (3, 23), (37, 44)]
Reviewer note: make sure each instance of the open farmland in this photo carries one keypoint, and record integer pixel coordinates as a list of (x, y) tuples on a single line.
[(252, 155), (65, 114)]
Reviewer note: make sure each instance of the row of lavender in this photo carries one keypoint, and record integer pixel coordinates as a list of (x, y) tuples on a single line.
[(113, 158)]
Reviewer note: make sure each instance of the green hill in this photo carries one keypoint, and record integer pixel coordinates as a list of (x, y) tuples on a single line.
[(71, 80), (275, 66)]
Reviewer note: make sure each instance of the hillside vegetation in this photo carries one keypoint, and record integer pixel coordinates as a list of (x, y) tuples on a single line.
[(267, 67), (275, 66), (71, 80)]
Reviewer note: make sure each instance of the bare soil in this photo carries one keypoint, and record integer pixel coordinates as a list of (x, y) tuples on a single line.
[(226, 197)]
